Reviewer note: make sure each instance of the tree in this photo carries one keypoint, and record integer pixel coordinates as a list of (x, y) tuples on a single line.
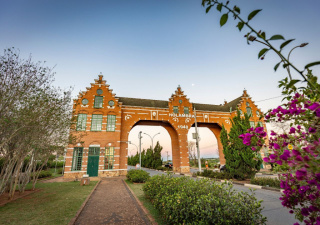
[(192, 153), (157, 161), (241, 161), (35, 119)]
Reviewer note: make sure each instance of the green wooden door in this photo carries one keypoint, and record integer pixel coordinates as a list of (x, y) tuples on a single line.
[(93, 161)]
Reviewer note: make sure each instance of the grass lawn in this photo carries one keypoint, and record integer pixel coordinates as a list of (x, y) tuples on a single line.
[(137, 190), (56, 203)]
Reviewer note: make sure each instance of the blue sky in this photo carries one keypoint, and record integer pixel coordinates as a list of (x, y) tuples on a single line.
[(146, 48)]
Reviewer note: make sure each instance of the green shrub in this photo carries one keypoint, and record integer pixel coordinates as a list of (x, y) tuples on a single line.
[(52, 164), (59, 171), (44, 173), (186, 201), (138, 176), (214, 174), (266, 181)]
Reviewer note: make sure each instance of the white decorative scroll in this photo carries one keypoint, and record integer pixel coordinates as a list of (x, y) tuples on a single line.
[(175, 119), (127, 117), (187, 120), (227, 121)]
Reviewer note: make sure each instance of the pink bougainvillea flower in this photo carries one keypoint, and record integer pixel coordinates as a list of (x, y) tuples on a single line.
[(314, 106), (301, 173), (279, 162), (272, 156), (312, 130), (295, 152), (317, 112), (259, 130), (273, 133), (292, 130), (276, 146)]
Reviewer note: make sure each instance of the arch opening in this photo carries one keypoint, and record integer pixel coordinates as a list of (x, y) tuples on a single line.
[(168, 139)]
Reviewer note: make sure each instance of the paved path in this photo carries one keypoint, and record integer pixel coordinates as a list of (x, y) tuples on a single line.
[(112, 203)]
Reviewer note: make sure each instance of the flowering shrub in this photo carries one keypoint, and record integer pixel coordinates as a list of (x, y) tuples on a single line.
[(186, 201), (298, 149)]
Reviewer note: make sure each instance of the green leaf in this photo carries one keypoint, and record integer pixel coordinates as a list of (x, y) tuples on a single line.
[(224, 19), (276, 66), (219, 7), (286, 43), (253, 14), (208, 8), (236, 9), (240, 25), (263, 35), (312, 64), (292, 83), (276, 37), (262, 52)]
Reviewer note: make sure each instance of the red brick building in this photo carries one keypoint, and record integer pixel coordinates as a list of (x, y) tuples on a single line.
[(104, 122)]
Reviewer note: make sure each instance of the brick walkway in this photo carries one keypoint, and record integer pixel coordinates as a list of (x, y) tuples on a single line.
[(112, 203)]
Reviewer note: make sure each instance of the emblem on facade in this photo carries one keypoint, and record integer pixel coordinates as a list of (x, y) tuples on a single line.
[(127, 117)]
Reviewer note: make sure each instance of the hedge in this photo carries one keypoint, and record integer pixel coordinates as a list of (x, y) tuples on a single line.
[(186, 201), (266, 181), (138, 176), (214, 174)]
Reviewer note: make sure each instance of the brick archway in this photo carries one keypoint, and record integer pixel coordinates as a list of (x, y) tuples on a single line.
[(107, 119)]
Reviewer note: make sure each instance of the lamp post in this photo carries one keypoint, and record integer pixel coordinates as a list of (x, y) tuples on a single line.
[(197, 139), (129, 142), (152, 139), (140, 136)]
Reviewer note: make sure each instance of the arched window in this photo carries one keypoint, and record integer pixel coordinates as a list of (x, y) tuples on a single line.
[(111, 123), (249, 111)]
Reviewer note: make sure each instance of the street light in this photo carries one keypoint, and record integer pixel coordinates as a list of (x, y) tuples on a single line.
[(152, 139), (130, 143)]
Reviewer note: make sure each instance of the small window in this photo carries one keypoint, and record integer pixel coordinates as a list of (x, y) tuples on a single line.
[(248, 104), (251, 124), (186, 110), (260, 124), (98, 100), (175, 109), (258, 113), (82, 122), (77, 159), (109, 158), (96, 123), (111, 123), (99, 92), (85, 101), (94, 151), (249, 112)]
